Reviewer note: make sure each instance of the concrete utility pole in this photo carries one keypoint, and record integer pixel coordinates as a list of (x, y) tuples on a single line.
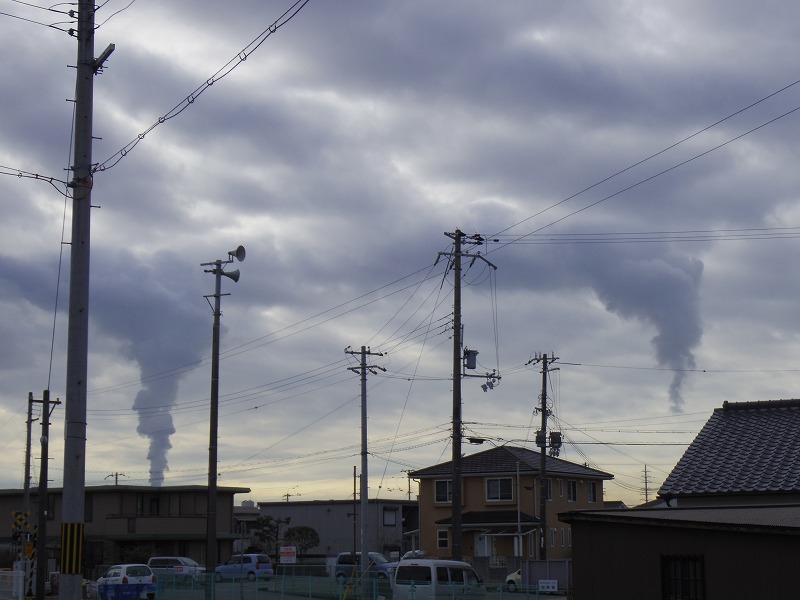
[(71, 578), (41, 528), (541, 441), (458, 238), (26, 487), (218, 271), (362, 370)]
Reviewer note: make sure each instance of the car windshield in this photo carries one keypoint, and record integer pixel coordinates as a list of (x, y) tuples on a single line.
[(138, 571), (190, 563), (378, 559)]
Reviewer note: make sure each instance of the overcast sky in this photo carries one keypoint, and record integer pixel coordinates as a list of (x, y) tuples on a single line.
[(632, 167)]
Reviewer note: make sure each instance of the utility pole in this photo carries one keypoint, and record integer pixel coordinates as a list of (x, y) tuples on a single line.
[(71, 577), (362, 370), (26, 487), (218, 270), (541, 441), (41, 528), (116, 476), (458, 238)]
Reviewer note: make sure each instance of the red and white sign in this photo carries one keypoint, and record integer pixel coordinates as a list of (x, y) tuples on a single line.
[(288, 554)]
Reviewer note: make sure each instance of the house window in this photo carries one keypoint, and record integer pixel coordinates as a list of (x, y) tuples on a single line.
[(592, 491), (442, 538), (499, 489), (563, 538), (561, 488), (390, 517), (548, 489), (553, 537), (682, 578), (572, 491), (569, 536), (444, 490)]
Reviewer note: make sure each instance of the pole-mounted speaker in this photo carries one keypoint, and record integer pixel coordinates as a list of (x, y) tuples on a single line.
[(232, 274), (238, 254)]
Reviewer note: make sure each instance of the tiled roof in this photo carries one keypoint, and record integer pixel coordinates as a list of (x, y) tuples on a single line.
[(744, 448), (505, 460)]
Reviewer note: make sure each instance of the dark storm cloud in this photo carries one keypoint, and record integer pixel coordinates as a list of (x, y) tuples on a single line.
[(339, 153)]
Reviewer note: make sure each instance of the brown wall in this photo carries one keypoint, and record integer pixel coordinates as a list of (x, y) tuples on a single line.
[(618, 561)]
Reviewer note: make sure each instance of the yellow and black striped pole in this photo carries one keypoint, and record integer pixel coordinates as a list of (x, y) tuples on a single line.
[(71, 548)]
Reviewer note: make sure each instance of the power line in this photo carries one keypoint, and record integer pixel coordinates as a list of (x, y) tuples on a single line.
[(223, 72)]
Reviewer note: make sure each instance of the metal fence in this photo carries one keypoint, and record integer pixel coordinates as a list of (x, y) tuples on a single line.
[(12, 585), (315, 587)]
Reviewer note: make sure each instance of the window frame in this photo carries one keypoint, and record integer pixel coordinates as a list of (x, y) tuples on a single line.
[(499, 483), (572, 490), (437, 497), (591, 492), (442, 539), (683, 576)]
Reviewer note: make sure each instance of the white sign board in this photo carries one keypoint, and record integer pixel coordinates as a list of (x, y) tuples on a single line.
[(288, 554), (548, 585)]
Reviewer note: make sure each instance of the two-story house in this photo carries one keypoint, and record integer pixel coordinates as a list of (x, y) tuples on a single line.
[(501, 492)]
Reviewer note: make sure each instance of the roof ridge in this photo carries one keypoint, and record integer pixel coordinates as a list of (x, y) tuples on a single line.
[(761, 404)]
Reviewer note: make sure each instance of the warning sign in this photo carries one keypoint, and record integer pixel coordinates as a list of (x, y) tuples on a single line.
[(288, 555)]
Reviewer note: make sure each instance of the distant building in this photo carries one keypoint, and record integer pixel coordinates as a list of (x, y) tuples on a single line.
[(123, 522), (391, 523)]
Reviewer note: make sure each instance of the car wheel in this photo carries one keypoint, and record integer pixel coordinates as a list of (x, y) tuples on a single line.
[(511, 586), (381, 575), (340, 578), (251, 576), (218, 576)]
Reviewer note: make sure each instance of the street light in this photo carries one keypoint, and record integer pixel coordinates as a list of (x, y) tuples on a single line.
[(211, 516)]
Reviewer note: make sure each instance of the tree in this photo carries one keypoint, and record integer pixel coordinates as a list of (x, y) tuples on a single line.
[(303, 537), (268, 530)]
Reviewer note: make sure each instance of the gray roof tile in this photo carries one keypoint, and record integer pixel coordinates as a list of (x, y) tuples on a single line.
[(744, 448), (505, 460)]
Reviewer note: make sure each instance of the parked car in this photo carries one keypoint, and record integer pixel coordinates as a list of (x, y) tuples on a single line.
[(432, 578), (128, 581), (347, 566), (514, 581), (181, 568), (413, 554), (241, 566)]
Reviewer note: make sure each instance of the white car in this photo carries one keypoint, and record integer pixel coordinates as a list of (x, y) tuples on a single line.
[(125, 581), (514, 580)]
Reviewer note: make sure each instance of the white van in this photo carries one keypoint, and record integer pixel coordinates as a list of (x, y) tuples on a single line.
[(436, 579)]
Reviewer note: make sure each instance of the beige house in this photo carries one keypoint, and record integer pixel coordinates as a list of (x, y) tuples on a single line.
[(126, 522), (500, 503)]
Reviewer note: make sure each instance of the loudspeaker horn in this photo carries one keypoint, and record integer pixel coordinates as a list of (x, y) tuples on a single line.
[(239, 253), (232, 274)]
